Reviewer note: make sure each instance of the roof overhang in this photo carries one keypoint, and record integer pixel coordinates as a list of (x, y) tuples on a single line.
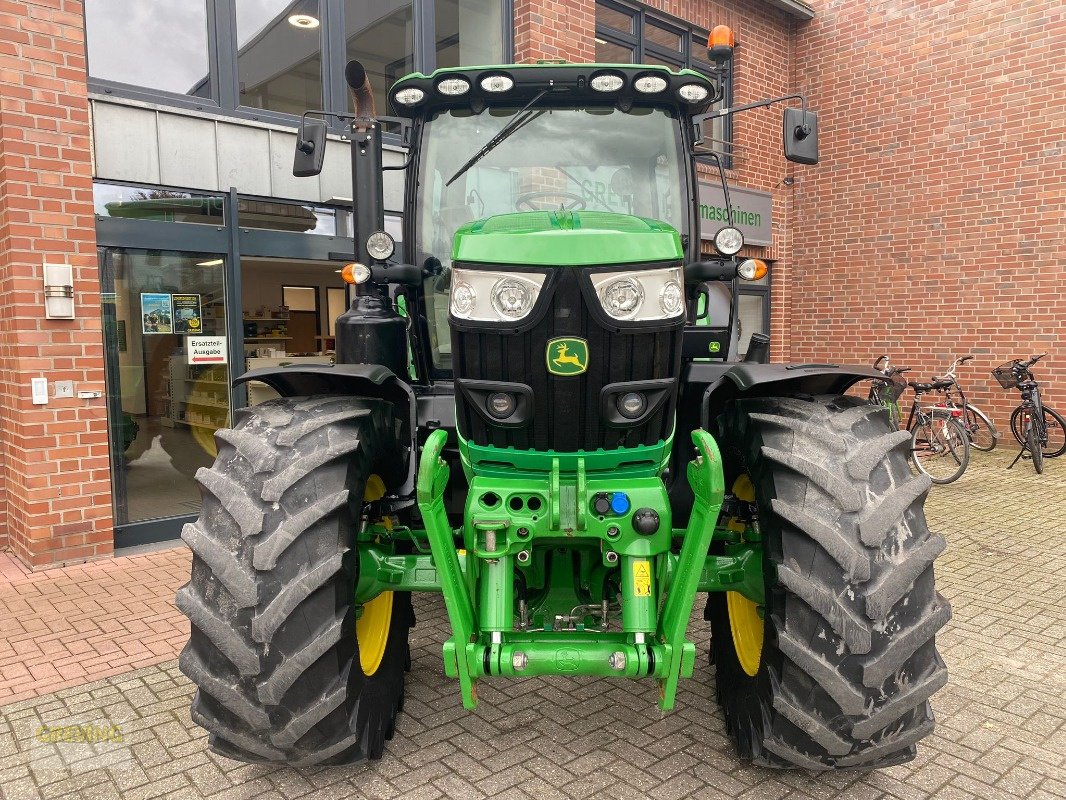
[(794, 8)]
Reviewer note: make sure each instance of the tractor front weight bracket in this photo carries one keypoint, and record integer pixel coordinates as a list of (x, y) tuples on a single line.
[(522, 597), (708, 487)]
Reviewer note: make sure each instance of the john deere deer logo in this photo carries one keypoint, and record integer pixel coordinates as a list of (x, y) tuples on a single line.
[(567, 356)]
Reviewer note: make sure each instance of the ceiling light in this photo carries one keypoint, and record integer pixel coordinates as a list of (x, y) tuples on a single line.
[(214, 262), (305, 21)]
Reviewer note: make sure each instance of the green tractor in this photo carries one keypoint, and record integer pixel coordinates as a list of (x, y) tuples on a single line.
[(537, 411)]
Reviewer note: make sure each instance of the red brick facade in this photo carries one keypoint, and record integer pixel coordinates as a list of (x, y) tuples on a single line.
[(932, 225), (935, 222), (55, 491)]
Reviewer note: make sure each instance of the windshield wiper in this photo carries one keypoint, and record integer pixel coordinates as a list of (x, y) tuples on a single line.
[(519, 119)]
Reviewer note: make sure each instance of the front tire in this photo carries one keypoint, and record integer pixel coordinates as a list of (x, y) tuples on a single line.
[(940, 448), (276, 653), (1035, 447), (1054, 428), (840, 672)]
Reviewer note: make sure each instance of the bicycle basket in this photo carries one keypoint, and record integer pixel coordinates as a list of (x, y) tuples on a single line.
[(892, 389), (1004, 373)]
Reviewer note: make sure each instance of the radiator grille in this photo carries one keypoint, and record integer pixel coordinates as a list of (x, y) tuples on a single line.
[(566, 414)]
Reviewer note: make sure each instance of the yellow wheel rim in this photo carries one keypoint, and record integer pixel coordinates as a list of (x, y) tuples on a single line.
[(372, 632), (372, 628), (747, 628)]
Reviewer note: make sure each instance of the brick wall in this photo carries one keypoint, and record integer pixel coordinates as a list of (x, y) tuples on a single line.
[(55, 494), (934, 224)]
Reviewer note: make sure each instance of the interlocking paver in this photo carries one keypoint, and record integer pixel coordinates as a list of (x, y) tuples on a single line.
[(1001, 720)]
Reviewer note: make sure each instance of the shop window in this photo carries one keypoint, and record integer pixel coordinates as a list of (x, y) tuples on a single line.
[(274, 59), (753, 310), (468, 32), (381, 37), (279, 55), (165, 399), (289, 217), (630, 34), (161, 45), (157, 205)]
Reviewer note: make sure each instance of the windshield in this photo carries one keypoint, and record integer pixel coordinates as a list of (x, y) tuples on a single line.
[(598, 158)]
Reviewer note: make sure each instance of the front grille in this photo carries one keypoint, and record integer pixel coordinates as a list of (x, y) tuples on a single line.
[(566, 410)]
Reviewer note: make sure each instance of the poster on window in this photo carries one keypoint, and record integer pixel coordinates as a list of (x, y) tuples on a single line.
[(157, 313), (187, 317)]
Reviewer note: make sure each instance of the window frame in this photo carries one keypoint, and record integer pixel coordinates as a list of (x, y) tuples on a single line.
[(683, 59), (224, 79), (762, 290)]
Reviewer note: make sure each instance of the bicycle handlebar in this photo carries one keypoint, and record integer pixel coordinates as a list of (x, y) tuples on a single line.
[(877, 363)]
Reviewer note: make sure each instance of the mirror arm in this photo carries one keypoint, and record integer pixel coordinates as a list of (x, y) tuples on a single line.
[(725, 112)]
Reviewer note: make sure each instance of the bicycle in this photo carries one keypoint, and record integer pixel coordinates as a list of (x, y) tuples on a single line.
[(940, 445), (1040, 430), (887, 392), (979, 427)]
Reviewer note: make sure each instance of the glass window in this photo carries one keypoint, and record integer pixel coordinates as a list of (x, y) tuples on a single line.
[(468, 32), (290, 217), (612, 53), (662, 37), (162, 44), (163, 404), (157, 205), (614, 18), (752, 313), (380, 35), (279, 55)]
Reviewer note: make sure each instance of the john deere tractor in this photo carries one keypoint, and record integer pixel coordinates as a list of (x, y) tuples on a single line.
[(538, 412)]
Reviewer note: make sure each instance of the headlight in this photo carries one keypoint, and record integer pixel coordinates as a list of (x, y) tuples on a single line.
[(607, 82), (728, 241), (640, 296), (453, 86), (671, 299), (411, 96), (513, 297), (650, 84), (622, 297), (631, 405), (501, 405), (497, 83), (380, 245), (464, 298), (752, 269), (487, 296)]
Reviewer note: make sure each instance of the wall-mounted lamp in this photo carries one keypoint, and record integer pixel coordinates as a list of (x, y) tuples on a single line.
[(58, 291)]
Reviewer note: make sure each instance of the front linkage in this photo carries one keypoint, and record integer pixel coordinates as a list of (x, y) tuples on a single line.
[(498, 629)]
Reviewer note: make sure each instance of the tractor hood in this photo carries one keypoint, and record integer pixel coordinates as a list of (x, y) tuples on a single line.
[(566, 238)]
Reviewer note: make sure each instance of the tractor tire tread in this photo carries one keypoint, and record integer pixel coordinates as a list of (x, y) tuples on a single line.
[(849, 660)]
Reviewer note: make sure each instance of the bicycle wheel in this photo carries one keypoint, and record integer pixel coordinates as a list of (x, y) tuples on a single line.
[(1054, 427), (980, 430), (940, 449), (1033, 445)]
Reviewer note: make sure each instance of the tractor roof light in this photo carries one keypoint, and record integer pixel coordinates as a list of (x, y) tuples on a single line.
[(650, 84), (728, 241), (411, 96), (607, 82), (453, 87), (380, 245), (693, 92), (497, 83), (753, 269), (720, 43)]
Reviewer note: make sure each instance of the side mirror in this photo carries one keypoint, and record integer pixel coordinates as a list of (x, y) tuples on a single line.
[(310, 148), (700, 271), (800, 136)]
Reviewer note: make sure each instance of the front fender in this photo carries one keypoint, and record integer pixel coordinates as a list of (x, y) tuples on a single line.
[(353, 380), (762, 380)]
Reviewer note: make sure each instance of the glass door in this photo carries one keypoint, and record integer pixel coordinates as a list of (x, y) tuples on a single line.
[(164, 317)]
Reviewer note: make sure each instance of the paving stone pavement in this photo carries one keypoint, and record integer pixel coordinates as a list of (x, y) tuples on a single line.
[(1000, 721)]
